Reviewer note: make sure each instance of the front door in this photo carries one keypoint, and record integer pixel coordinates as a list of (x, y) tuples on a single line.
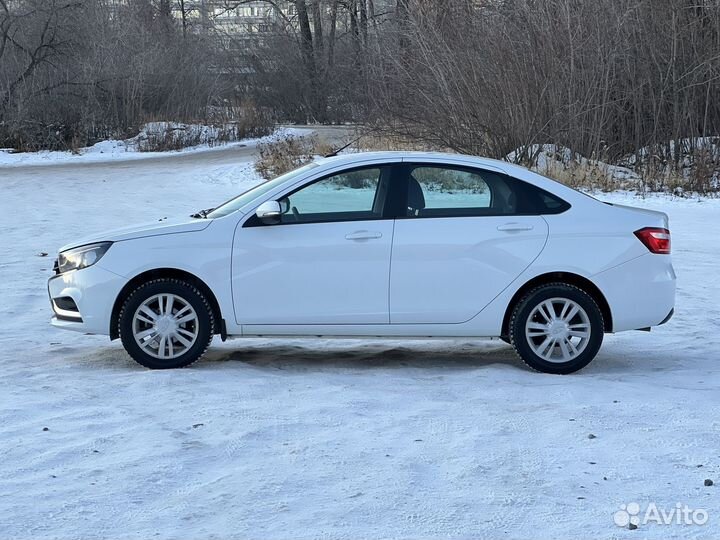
[(326, 262), (466, 235)]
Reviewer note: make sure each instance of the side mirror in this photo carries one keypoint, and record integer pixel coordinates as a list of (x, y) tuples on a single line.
[(269, 212)]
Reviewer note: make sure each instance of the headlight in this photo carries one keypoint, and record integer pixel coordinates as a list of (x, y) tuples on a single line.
[(82, 257)]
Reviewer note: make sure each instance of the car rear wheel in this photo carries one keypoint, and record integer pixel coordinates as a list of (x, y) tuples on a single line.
[(166, 323), (557, 328)]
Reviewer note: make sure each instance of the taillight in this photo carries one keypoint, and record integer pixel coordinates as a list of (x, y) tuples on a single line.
[(657, 240)]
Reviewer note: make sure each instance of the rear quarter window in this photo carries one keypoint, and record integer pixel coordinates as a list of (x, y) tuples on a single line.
[(534, 200)]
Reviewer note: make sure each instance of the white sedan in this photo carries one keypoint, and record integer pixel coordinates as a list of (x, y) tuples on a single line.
[(378, 245)]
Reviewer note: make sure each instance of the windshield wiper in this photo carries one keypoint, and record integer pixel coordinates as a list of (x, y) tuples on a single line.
[(202, 214)]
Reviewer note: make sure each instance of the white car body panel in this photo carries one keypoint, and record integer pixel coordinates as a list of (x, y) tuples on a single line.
[(444, 277), (446, 270), (153, 228), (312, 273), (639, 291)]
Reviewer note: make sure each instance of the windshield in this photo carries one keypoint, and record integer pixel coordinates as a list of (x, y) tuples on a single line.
[(241, 200)]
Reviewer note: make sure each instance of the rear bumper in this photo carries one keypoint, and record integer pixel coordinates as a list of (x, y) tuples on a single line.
[(640, 292), (93, 290), (669, 316)]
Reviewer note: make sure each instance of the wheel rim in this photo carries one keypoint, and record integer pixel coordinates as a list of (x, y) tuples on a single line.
[(165, 326), (558, 330)]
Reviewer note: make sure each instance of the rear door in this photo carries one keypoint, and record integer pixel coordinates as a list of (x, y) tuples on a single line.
[(465, 235)]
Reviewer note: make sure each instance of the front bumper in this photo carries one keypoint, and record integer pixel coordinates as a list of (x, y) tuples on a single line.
[(93, 291)]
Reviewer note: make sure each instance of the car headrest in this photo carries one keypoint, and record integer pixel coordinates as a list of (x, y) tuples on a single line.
[(416, 197)]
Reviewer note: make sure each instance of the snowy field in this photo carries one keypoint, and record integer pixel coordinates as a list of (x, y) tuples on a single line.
[(318, 439)]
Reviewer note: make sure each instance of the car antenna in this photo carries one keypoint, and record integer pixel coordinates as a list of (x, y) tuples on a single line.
[(336, 152)]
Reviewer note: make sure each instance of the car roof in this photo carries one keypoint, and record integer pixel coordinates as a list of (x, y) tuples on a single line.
[(342, 159)]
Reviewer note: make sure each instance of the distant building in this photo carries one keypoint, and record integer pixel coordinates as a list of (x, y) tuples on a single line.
[(233, 19)]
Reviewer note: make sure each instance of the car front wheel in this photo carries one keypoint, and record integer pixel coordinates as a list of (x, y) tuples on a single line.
[(557, 328), (166, 323)]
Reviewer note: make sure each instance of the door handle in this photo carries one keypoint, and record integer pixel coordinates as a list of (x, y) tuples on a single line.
[(363, 235), (512, 227)]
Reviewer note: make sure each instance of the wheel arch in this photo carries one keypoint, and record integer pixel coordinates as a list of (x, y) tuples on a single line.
[(576, 280), (159, 273)]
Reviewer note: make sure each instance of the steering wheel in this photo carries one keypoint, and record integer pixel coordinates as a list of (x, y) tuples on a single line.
[(296, 214)]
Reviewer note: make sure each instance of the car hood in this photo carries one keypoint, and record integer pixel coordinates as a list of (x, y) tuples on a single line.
[(153, 228)]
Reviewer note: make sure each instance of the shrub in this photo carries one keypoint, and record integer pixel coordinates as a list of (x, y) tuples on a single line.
[(285, 153)]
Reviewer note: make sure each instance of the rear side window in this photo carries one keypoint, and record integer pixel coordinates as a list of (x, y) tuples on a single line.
[(441, 191)]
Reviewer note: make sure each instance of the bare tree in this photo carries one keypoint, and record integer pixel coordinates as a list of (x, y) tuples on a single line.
[(604, 78), (31, 38)]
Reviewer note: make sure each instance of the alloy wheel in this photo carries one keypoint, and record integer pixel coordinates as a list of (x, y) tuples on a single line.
[(558, 330), (165, 326)]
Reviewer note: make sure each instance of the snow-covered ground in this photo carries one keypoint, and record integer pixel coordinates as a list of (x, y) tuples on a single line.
[(349, 439)]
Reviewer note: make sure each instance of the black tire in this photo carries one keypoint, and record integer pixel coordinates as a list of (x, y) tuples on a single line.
[(187, 292), (524, 309)]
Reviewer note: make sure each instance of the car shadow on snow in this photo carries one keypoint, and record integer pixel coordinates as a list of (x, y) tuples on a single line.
[(320, 354), (310, 355), (614, 359)]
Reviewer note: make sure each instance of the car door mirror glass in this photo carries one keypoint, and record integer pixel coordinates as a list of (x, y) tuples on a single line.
[(284, 205), (269, 212)]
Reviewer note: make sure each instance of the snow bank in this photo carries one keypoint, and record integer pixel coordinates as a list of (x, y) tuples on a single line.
[(649, 169), (682, 149), (114, 150), (696, 161), (549, 158)]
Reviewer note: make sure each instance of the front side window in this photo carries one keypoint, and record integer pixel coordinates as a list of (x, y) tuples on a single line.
[(435, 191), (348, 196)]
